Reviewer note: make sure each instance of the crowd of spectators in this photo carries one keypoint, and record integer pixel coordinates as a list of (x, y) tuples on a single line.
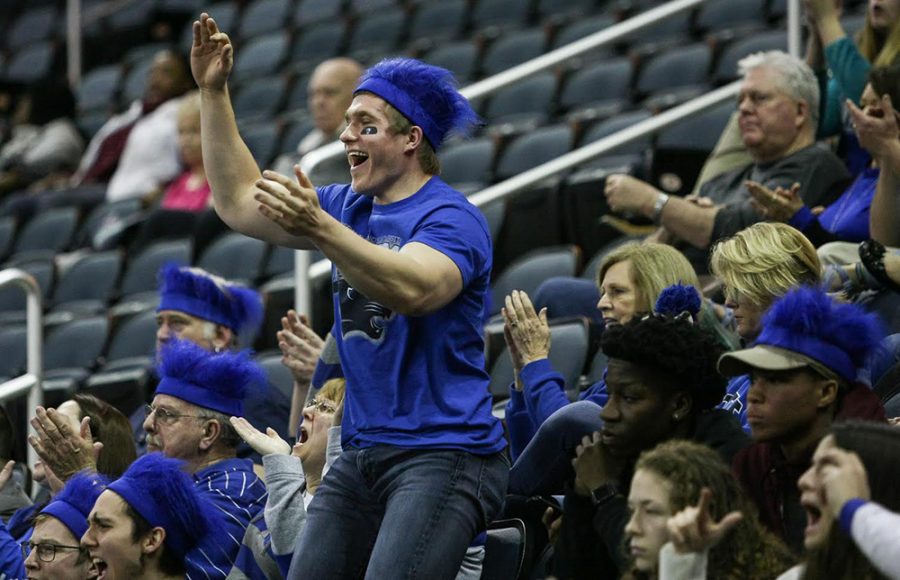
[(738, 429)]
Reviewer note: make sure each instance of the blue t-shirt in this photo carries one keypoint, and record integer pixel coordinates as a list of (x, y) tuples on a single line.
[(416, 381)]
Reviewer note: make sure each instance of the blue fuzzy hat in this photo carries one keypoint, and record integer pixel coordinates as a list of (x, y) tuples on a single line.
[(213, 381), (197, 293), (426, 95), (677, 299), (157, 488), (806, 328), (74, 502)]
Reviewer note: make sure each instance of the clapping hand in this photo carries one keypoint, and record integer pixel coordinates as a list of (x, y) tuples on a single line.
[(300, 346), (526, 332), (291, 204), (694, 530), (63, 452), (778, 205), (268, 443), (876, 126), (212, 55)]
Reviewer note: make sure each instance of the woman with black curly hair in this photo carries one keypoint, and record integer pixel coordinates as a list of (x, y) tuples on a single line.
[(663, 385)]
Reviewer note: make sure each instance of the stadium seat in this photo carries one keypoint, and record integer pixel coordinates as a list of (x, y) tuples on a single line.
[(522, 106), (259, 99), (675, 29), (262, 56), (13, 345), (71, 351), (438, 22), (527, 272), (513, 48), (364, 8), (235, 257), (86, 287), (467, 164), (570, 8), (49, 232), (460, 58), (136, 80), (505, 551), (97, 90), (316, 11), (533, 149), (726, 67), (318, 43), (101, 229), (263, 16), (34, 24), (262, 140), (377, 34), (31, 63), (294, 133), (500, 14), (679, 70), (141, 270), (7, 236), (598, 90), (614, 125), (277, 374), (721, 15), (581, 27)]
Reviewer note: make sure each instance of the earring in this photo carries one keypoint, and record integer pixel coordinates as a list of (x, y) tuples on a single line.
[(217, 349)]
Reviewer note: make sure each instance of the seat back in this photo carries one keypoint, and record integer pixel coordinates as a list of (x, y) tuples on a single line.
[(505, 550), (52, 229), (91, 278), (235, 257), (533, 149), (141, 271), (527, 272), (76, 344), (13, 345), (135, 337), (469, 162)]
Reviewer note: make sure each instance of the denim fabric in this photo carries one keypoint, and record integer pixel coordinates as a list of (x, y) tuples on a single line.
[(546, 463), (386, 512)]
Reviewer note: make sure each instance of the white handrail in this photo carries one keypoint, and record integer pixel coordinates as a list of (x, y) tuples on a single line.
[(32, 381)]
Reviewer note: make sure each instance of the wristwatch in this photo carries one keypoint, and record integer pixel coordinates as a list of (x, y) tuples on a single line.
[(604, 493), (661, 200)]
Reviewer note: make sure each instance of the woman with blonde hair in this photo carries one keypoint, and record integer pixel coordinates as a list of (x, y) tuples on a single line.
[(544, 427), (758, 265), (677, 475)]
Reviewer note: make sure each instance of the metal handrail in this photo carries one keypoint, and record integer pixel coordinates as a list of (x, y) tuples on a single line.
[(32, 381)]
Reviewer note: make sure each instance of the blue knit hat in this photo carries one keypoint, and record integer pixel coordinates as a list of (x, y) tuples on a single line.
[(74, 502), (216, 381), (678, 299), (426, 95), (158, 489), (806, 328), (197, 293)]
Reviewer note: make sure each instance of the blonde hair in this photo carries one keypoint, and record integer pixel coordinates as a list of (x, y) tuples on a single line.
[(333, 390), (190, 105), (764, 261), (653, 268), (879, 52)]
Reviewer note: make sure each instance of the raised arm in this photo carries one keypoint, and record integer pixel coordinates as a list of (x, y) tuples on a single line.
[(230, 168)]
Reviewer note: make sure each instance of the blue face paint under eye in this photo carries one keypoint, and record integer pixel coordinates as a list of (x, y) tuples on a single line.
[(369, 130)]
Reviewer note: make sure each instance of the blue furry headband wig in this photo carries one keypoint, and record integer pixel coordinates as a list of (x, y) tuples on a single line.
[(159, 490), (805, 327), (195, 292), (73, 504), (213, 381), (426, 95)]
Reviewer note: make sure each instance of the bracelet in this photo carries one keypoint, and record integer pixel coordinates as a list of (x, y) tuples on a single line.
[(661, 200)]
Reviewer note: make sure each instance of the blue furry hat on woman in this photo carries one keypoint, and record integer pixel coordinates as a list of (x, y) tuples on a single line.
[(199, 293), (213, 381), (427, 95), (807, 328), (158, 489)]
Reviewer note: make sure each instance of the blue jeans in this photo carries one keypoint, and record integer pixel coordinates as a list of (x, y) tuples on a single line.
[(385, 512), (545, 465)]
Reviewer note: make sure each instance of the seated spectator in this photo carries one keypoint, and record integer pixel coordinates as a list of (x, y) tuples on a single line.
[(44, 138), (662, 385), (630, 280), (329, 94), (147, 523), (833, 512), (757, 266), (54, 551), (803, 370), (677, 475), (292, 476), (847, 219), (12, 489), (214, 313), (779, 108)]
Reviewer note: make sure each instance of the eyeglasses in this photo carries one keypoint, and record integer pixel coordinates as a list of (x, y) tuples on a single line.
[(165, 416), (46, 552)]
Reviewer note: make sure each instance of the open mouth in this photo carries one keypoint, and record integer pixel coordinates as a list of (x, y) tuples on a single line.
[(813, 516), (357, 158), (303, 436), (100, 567)]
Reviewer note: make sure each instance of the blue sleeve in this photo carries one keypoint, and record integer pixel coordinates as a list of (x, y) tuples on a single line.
[(545, 390), (461, 234), (596, 393), (802, 218), (518, 422), (12, 565)]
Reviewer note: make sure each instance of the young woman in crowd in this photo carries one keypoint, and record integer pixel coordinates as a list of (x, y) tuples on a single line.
[(679, 474), (842, 539)]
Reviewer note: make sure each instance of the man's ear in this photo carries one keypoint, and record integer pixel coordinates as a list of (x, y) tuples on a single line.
[(223, 338), (828, 392), (682, 403), (414, 138), (211, 432), (802, 113), (153, 540)]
